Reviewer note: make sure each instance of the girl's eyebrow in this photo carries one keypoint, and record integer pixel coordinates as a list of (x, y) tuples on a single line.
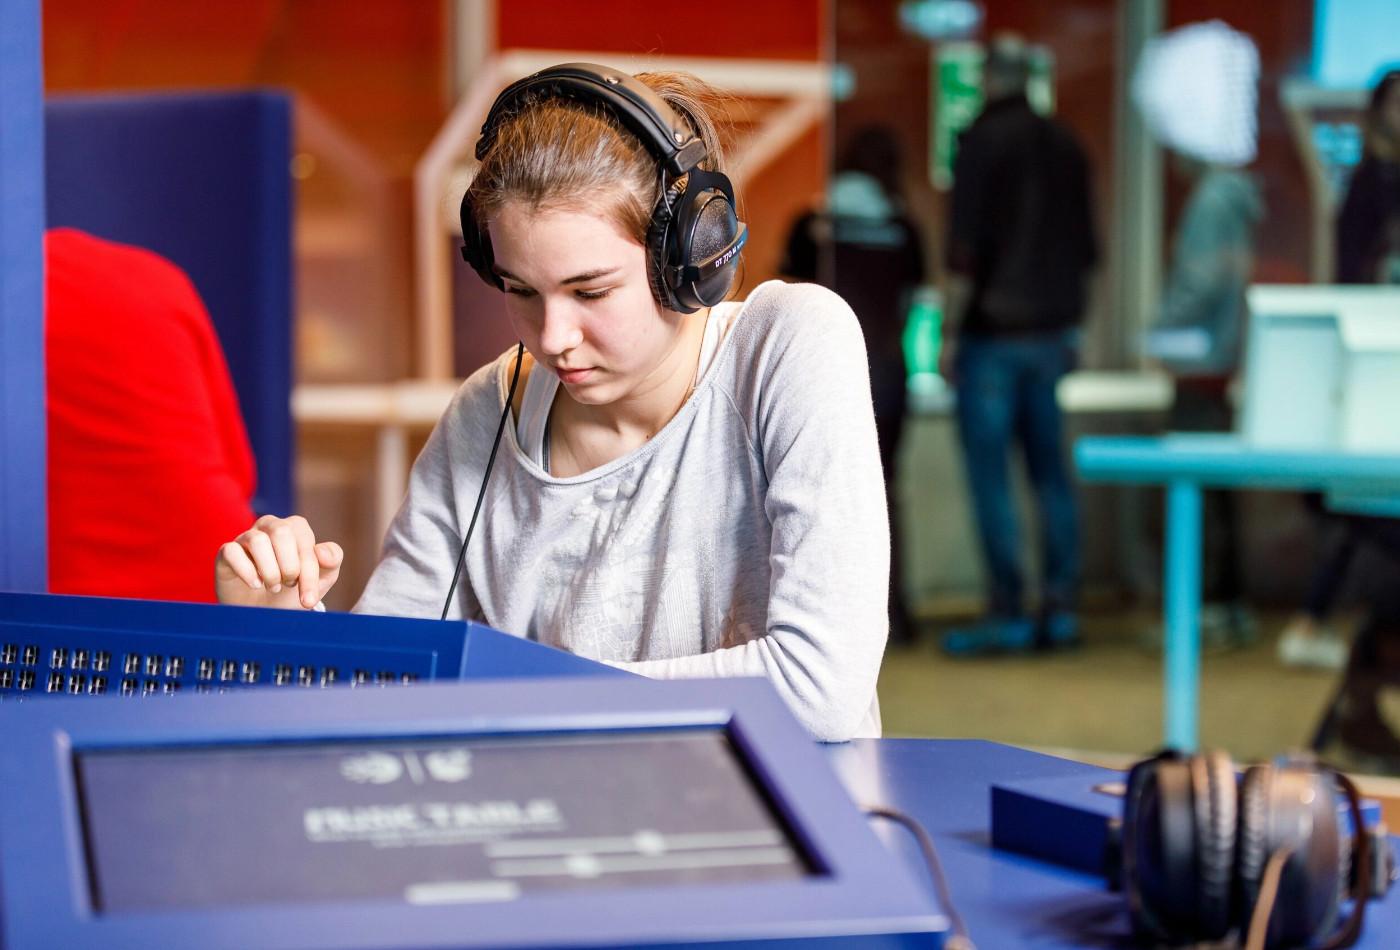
[(576, 279)]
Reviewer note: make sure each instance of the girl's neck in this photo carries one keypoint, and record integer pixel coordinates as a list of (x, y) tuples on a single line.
[(583, 437), (656, 400)]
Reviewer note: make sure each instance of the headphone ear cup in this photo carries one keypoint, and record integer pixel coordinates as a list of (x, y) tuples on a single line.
[(1254, 834), (1215, 799), (1292, 806), (476, 245), (660, 245), (695, 242), (710, 230), (1159, 850)]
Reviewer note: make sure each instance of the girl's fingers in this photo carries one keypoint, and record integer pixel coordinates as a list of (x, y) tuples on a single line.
[(285, 545), (234, 559), (277, 554), (329, 555), (259, 548), (308, 584)]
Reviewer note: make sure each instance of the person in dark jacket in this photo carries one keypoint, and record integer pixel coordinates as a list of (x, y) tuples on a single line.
[(1020, 249), (1368, 230)]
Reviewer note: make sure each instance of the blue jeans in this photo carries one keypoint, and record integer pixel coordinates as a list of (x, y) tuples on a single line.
[(1006, 392)]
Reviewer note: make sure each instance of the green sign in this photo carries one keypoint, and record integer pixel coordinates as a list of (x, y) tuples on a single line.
[(957, 98), (923, 333)]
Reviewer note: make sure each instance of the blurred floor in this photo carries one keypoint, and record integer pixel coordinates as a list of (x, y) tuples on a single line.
[(1105, 699)]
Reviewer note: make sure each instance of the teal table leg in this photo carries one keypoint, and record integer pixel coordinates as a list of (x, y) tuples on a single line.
[(1182, 593)]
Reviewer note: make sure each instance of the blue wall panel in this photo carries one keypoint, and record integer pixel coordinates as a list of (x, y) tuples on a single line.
[(23, 504)]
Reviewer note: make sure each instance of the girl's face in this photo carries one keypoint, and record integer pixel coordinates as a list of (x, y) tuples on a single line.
[(578, 295)]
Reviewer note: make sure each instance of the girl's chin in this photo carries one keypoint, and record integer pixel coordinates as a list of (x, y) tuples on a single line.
[(590, 392)]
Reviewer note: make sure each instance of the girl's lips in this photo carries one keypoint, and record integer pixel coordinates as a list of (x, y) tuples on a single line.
[(573, 375)]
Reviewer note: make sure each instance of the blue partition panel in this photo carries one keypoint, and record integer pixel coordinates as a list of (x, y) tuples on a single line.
[(203, 180), (23, 470)]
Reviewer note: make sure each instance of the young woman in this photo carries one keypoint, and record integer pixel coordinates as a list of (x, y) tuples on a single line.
[(685, 486)]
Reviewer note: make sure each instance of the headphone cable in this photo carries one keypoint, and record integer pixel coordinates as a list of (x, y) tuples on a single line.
[(1258, 933), (961, 939), (481, 495)]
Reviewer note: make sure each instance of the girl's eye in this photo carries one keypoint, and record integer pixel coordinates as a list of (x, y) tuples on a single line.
[(520, 291), (592, 294)]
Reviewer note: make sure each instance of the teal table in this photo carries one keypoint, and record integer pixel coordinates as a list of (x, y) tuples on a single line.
[(1187, 464)]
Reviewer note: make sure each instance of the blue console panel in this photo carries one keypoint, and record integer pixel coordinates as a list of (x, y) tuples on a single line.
[(552, 813), (97, 645)]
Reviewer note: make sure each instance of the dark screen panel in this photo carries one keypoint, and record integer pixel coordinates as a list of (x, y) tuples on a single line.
[(424, 821)]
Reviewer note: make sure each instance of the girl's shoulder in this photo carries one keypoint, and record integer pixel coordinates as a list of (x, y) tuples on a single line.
[(796, 344), (482, 394), (778, 317), (777, 303)]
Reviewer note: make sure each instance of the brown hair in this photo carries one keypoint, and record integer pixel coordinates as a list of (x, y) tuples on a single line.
[(561, 154)]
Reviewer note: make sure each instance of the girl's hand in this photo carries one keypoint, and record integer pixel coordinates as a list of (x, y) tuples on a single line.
[(276, 563)]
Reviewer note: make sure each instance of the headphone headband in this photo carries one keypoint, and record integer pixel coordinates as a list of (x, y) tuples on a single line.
[(667, 136), (694, 239)]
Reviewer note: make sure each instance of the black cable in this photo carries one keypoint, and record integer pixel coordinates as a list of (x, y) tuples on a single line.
[(501, 428), (961, 939)]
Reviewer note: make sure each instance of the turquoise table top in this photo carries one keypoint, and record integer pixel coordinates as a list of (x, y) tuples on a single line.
[(1223, 459)]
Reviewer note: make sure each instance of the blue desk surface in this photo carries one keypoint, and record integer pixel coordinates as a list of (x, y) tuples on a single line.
[(1008, 901)]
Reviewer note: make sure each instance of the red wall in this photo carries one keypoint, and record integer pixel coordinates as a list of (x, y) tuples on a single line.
[(771, 29), (376, 68)]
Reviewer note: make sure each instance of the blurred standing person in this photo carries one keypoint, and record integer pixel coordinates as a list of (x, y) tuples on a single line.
[(1368, 230), (865, 245), (1197, 89), (1020, 249), (1368, 252)]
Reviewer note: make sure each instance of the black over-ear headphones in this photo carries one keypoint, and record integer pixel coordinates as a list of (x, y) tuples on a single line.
[(1202, 850), (695, 237)]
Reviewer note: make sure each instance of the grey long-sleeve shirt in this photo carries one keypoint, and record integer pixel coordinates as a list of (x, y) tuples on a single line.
[(748, 537)]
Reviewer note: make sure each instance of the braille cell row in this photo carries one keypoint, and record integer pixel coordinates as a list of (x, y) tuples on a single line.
[(153, 665), (11, 654), (99, 661), (23, 680), (132, 686), (79, 659), (76, 683)]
